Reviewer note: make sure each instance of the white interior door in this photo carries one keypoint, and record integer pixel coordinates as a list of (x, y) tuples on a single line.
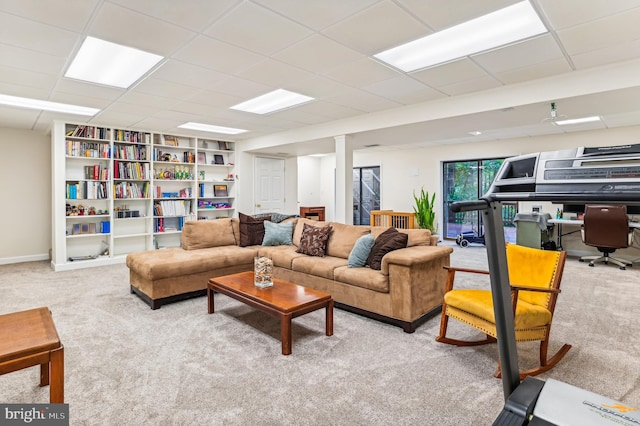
[(269, 185)]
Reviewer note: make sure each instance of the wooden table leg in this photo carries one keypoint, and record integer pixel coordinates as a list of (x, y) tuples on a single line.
[(329, 319), (210, 299), (44, 374), (56, 387), (285, 333)]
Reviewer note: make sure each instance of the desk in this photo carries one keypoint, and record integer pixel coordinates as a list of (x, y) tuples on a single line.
[(576, 222)]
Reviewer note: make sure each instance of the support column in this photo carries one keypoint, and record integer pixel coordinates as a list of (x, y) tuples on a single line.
[(344, 180)]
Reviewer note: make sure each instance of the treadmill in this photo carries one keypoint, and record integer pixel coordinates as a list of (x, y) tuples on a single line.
[(578, 176)]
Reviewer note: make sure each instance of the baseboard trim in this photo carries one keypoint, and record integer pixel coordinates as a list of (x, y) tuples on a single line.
[(23, 259)]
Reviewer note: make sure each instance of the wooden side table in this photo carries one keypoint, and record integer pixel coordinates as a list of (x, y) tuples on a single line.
[(316, 213), (29, 338)]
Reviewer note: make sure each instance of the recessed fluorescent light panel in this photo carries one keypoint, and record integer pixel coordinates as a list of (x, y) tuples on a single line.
[(499, 28), (46, 105), (211, 128), (272, 101), (577, 120), (111, 64)]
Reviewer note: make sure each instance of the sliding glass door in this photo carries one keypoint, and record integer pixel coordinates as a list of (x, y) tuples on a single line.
[(366, 193), (469, 180)]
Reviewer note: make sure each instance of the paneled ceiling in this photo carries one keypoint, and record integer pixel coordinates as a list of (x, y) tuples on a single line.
[(219, 53)]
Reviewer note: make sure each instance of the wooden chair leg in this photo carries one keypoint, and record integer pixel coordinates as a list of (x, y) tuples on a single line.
[(545, 364)]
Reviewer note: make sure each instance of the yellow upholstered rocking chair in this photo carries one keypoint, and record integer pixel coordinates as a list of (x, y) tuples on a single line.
[(535, 277)]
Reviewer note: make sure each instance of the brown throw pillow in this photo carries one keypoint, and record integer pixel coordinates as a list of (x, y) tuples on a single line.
[(251, 230), (313, 241), (386, 242)]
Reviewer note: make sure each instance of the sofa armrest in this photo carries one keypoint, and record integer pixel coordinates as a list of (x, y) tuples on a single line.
[(415, 255), (416, 279)]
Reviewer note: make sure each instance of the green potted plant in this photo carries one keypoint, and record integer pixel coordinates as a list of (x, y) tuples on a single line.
[(424, 209)]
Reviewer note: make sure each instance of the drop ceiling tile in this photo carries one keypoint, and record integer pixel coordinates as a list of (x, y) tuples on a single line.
[(470, 86), (26, 78), (617, 53), (82, 88), (526, 53), (317, 15), (317, 54), (133, 109), (328, 110), (120, 119), (402, 89), (194, 15), (450, 73), (362, 101), (534, 72), (81, 100), (20, 32), (380, 27), (319, 87), (218, 56), (257, 29), (18, 118), (215, 99), (275, 73), (360, 73), (69, 14), (568, 13), (191, 107), (192, 75), (27, 59), (439, 17), (603, 33), (167, 89), (130, 28), (144, 99), (242, 88)]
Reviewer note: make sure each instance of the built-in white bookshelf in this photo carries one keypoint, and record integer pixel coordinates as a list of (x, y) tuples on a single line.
[(116, 191)]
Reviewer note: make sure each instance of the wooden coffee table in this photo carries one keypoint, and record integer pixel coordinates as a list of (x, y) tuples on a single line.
[(29, 338), (283, 300)]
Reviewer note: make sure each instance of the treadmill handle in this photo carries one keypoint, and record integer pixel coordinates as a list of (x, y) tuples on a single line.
[(467, 206)]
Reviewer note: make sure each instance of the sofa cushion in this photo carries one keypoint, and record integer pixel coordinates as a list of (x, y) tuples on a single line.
[(277, 234), (363, 277), (388, 241), (417, 237), (282, 256), (299, 227), (314, 240), (343, 238), (251, 229), (360, 252), (175, 262), (199, 234), (319, 266)]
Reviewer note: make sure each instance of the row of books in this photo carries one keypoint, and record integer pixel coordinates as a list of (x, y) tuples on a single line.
[(87, 190), (131, 136), (92, 132), (87, 149), (131, 190), (129, 170), (187, 156), (172, 208), (96, 172), (130, 152), (182, 193), (170, 224)]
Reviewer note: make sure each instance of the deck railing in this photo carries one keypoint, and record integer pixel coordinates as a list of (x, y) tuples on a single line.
[(402, 220)]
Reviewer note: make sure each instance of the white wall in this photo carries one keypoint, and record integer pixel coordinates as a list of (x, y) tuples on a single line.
[(25, 188)]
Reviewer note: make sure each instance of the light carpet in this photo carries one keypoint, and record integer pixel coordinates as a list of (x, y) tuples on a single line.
[(128, 365)]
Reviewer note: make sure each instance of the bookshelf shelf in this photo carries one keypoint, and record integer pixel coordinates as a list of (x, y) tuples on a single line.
[(132, 174)]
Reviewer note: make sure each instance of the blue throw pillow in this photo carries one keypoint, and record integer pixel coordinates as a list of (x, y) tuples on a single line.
[(277, 234), (360, 251)]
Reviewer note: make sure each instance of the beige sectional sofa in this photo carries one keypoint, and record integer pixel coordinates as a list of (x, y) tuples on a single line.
[(406, 291)]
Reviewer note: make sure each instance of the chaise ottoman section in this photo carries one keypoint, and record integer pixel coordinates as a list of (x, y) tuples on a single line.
[(169, 275)]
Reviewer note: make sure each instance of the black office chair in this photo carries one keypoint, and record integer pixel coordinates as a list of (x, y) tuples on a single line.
[(607, 228)]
